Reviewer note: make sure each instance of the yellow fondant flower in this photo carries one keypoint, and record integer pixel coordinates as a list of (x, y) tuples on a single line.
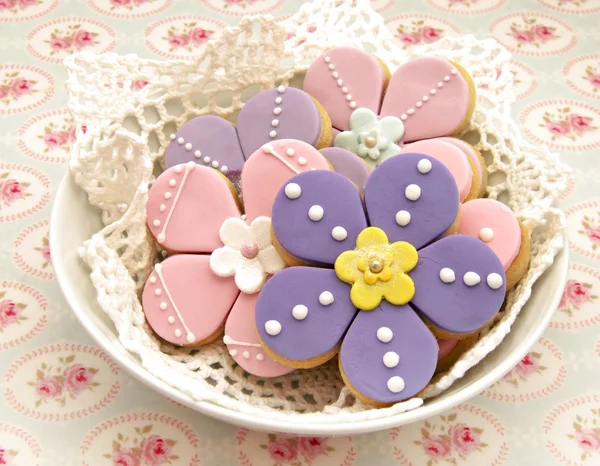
[(377, 270)]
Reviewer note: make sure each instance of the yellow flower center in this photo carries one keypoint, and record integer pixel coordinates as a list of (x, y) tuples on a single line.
[(377, 270)]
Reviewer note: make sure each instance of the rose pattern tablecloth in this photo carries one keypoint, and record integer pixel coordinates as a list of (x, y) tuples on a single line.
[(63, 401)]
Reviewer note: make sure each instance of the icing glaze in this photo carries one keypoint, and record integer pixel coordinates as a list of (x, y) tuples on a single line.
[(186, 211), (446, 107), (470, 152), (452, 158), (489, 213), (272, 158), (196, 311), (348, 164), (357, 73), (241, 337)]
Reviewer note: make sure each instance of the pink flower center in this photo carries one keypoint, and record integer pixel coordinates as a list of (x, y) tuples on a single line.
[(249, 250)]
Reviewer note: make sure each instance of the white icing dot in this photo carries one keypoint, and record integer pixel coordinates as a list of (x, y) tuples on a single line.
[(162, 207), (433, 92), (243, 217), (494, 281), (172, 183), (177, 332), (412, 192), (335, 75), (152, 279), (339, 233), (161, 237), (273, 133), (260, 357), (158, 267), (224, 169), (233, 352), (331, 66), (158, 292), (486, 234), (275, 123), (410, 111), (391, 359), (292, 190), (246, 355), (188, 146), (197, 154), (272, 327), (349, 97), (163, 306), (453, 72), (171, 319), (172, 136), (206, 159), (215, 164), (315, 213), (302, 161), (446, 78), (424, 166), (156, 223), (404, 116), (344, 90), (300, 312), (419, 104), (178, 169), (327, 59), (227, 339), (326, 298), (440, 84), (471, 279), (340, 82), (425, 98), (168, 195), (402, 218), (278, 100), (277, 110), (281, 89), (180, 140), (447, 275), (352, 104), (291, 152), (395, 384), (385, 334)]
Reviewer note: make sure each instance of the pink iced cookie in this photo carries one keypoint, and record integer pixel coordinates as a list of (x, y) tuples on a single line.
[(452, 158), (445, 347), (494, 224), (475, 158)]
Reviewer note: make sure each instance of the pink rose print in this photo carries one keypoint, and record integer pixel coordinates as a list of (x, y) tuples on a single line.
[(282, 451), (60, 43), (575, 295), (44, 250), (187, 37), (12, 190), (7, 4), (588, 440), (591, 229), (296, 451), (53, 140), (142, 449), (530, 33), (48, 388), (564, 124), (6, 456), (78, 378), (592, 76), (587, 434), (10, 312), (178, 40), (120, 2), (3, 92), (26, 3), (13, 87), (418, 33), (71, 39), (593, 233), (528, 366), (83, 39), (19, 87), (199, 36), (449, 442), (313, 447), (58, 135)]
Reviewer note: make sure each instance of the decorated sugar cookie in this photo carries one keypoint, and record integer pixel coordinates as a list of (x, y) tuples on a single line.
[(475, 159), (426, 97), (280, 113), (193, 209), (378, 269), (347, 164)]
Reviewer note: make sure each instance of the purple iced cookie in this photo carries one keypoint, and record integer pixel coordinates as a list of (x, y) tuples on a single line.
[(347, 164), (281, 113)]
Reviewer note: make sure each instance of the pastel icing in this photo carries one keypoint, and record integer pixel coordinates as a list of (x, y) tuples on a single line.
[(371, 138), (348, 164), (480, 214), (430, 95), (446, 345), (453, 159), (280, 160), (186, 210), (286, 112), (343, 79), (470, 152), (388, 353)]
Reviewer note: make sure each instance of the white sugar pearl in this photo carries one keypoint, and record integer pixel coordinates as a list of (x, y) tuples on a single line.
[(454, 72), (206, 159), (424, 166), (410, 111), (395, 384), (273, 133), (494, 281), (281, 89), (315, 213), (190, 337), (326, 298), (291, 152), (352, 104), (163, 306), (486, 234), (172, 183), (272, 327), (292, 190), (188, 146), (446, 78), (412, 192), (433, 92), (171, 319), (385, 334), (391, 359), (156, 223), (339, 233), (180, 140), (471, 279), (447, 275), (172, 136), (278, 100), (300, 312), (246, 354), (168, 195), (158, 292), (260, 357), (327, 59), (402, 218), (197, 154), (233, 352), (215, 164), (152, 279), (177, 333), (276, 110), (425, 98), (224, 169), (302, 161), (404, 116), (275, 123), (162, 208)]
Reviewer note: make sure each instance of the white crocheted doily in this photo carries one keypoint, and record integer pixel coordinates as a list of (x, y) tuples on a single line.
[(128, 131)]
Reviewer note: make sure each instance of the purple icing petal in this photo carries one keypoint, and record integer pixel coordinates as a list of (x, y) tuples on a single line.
[(217, 141), (364, 347), (429, 216), (312, 240), (452, 305), (322, 326), (263, 119), (348, 164)]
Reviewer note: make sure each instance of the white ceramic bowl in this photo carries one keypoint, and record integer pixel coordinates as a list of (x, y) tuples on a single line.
[(73, 221)]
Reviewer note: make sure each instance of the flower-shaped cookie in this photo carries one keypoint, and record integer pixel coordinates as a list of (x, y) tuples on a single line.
[(426, 97), (225, 252), (391, 260)]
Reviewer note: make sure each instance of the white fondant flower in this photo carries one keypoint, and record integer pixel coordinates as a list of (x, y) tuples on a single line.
[(248, 253), (371, 138)]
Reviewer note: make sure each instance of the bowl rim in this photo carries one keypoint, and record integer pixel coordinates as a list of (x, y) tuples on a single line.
[(113, 347)]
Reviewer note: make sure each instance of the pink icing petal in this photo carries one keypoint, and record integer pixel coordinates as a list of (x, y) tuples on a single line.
[(358, 73), (241, 339), (186, 207), (281, 160), (446, 106), (489, 213), (468, 150), (184, 289), (452, 158), (446, 346)]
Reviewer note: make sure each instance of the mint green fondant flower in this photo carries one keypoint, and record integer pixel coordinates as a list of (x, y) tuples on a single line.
[(371, 138)]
